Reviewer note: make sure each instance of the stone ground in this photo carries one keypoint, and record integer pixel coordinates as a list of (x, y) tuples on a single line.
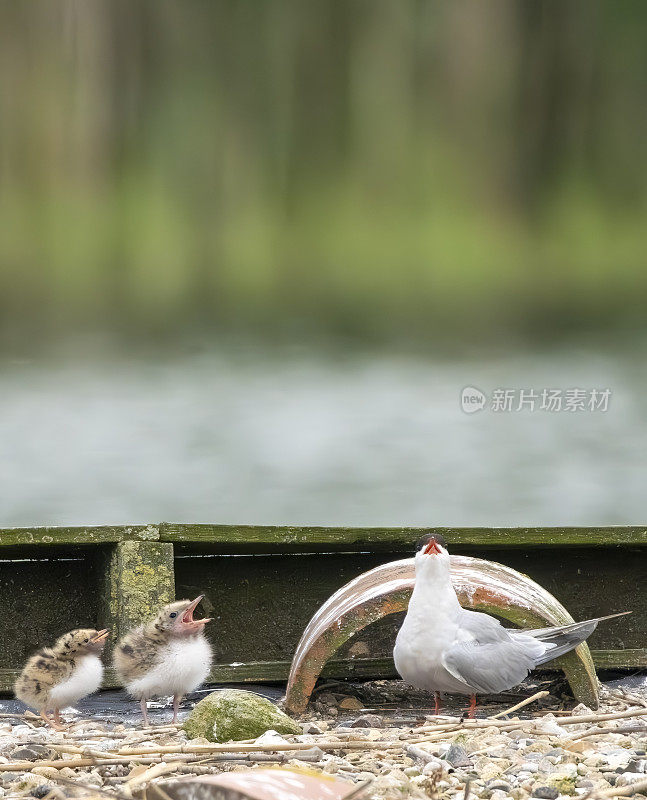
[(378, 732)]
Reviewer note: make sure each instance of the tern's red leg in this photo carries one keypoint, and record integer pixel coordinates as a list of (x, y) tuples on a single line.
[(436, 702), (472, 709)]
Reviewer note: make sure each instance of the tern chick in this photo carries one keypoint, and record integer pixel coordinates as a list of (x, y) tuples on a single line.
[(168, 655), (59, 676)]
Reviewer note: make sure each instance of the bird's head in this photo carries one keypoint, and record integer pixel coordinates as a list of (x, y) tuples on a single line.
[(432, 557), (177, 618), (81, 641)]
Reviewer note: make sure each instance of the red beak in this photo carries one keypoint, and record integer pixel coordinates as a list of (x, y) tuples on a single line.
[(432, 548)]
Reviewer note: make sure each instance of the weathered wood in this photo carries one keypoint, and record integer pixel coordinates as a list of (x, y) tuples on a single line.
[(93, 535), (139, 578), (395, 539), (299, 537), (357, 668), (374, 668), (43, 597), (620, 659), (264, 601)]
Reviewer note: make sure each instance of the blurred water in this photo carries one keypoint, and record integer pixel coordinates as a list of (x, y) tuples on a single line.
[(318, 437)]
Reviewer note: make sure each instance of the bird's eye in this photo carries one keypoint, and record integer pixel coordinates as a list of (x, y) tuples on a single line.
[(173, 615)]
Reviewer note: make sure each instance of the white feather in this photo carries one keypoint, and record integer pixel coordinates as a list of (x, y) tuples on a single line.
[(444, 648), (84, 680), (431, 623), (183, 664)]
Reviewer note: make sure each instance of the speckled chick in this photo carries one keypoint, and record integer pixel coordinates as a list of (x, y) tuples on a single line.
[(169, 655), (58, 676)]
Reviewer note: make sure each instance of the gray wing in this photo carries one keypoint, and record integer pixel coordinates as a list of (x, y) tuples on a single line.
[(490, 660), (489, 668), (482, 627)]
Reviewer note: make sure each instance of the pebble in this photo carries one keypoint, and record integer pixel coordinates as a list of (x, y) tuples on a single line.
[(627, 778), (457, 756), (312, 755), (311, 728), (7, 778), (546, 792), (46, 772), (434, 765), (515, 765), (496, 783), (368, 721), (421, 754), (33, 753), (42, 790)]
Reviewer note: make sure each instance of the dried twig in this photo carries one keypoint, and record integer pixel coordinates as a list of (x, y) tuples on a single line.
[(73, 763), (624, 791), (468, 724), (523, 703), (163, 768), (604, 731), (89, 787)]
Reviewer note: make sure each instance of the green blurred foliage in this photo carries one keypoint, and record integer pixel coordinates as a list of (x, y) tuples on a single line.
[(364, 167)]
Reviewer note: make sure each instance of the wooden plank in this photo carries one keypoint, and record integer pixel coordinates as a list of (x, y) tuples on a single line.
[(357, 669), (287, 538), (620, 659), (42, 598), (84, 535), (229, 538), (377, 668), (262, 603)]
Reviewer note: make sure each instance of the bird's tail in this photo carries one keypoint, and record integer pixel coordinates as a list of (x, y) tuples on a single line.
[(563, 638)]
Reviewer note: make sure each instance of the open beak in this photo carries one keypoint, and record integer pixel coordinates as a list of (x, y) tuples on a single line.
[(100, 637), (432, 548), (187, 617)]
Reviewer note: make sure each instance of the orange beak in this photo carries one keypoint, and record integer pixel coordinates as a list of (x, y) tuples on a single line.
[(101, 636), (432, 548)]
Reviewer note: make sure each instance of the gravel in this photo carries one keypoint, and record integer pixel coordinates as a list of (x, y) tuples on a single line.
[(548, 762)]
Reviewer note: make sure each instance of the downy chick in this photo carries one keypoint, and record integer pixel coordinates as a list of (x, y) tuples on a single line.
[(59, 676), (168, 655)]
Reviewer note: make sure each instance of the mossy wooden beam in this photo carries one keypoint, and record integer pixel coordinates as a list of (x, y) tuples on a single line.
[(287, 538), (82, 535), (284, 538), (138, 578), (374, 668), (354, 669)]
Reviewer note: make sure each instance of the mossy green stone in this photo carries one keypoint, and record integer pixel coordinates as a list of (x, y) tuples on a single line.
[(234, 714), (563, 784)]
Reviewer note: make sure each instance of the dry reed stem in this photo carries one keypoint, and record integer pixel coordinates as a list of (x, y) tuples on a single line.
[(163, 768), (624, 791), (523, 703)]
